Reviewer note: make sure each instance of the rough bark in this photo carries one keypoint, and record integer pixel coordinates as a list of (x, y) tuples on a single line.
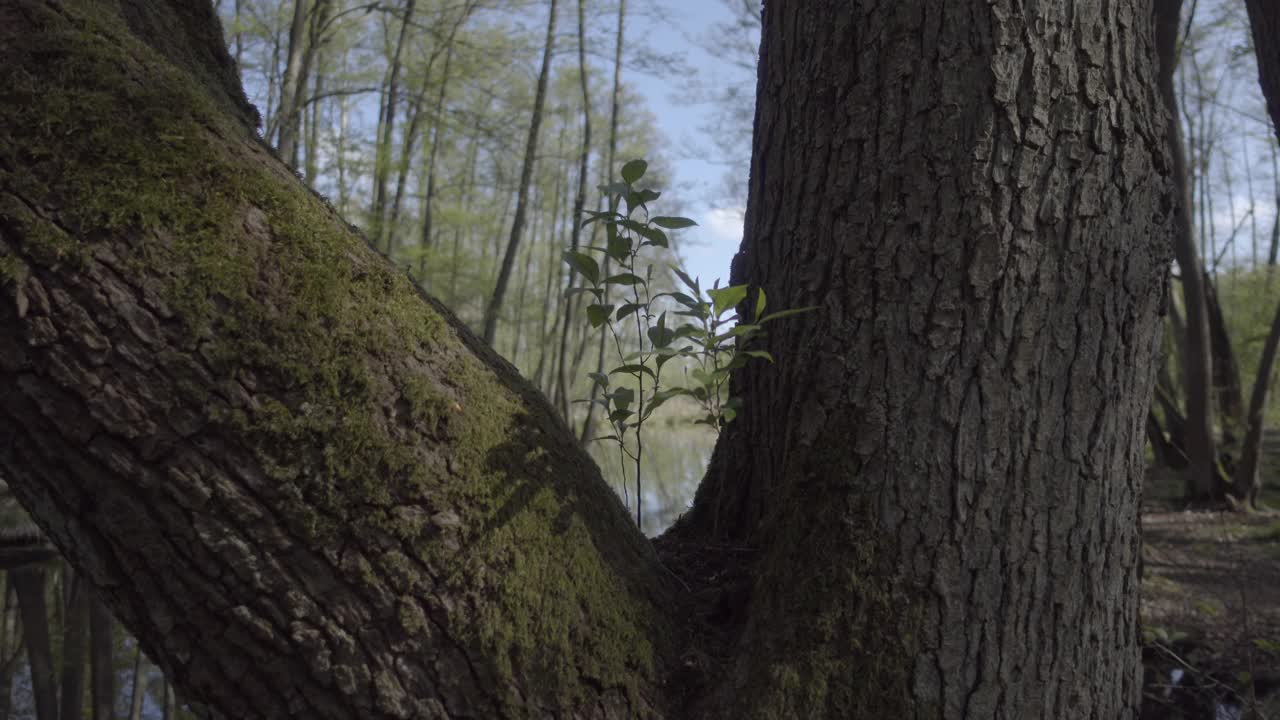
[(1197, 357), (494, 307), (301, 507), (942, 470), (305, 508)]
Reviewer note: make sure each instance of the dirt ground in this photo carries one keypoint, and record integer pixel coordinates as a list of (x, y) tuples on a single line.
[(1210, 611)]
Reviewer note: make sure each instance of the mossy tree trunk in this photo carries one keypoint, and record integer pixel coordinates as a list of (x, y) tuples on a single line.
[(304, 509), (942, 471), (300, 507)]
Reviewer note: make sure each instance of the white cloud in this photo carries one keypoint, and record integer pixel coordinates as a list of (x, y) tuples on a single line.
[(724, 224)]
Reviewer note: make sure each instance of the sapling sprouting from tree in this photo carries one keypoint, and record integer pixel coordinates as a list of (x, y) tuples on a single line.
[(710, 339)]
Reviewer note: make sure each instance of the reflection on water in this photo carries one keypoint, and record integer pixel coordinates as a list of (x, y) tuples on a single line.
[(674, 460)]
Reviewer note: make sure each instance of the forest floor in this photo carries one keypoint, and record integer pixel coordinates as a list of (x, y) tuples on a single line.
[(1210, 608)]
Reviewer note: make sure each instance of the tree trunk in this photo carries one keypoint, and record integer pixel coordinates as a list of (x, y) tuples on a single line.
[(1247, 481), (102, 662), (589, 423), (29, 583), (1197, 359), (383, 235), (1264, 21), (1226, 374), (494, 307), (941, 472), (137, 694), (305, 508), (561, 396), (301, 507), (288, 116), (75, 646)]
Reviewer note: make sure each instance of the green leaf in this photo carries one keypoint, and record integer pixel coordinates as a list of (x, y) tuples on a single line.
[(628, 309), (634, 369), (758, 354), (759, 313), (586, 265), (623, 397), (598, 315), (634, 170), (599, 379), (672, 223), (620, 415), (615, 438), (615, 188), (638, 198), (726, 298), (692, 283), (619, 246), (625, 279), (654, 237), (787, 313), (579, 290)]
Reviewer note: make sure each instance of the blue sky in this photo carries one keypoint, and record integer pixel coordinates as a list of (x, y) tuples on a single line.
[(707, 249)]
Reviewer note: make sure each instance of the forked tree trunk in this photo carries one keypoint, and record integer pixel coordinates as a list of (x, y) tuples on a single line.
[(309, 492), (941, 472)]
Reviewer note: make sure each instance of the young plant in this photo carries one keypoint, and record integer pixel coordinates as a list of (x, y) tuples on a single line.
[(706, 340)]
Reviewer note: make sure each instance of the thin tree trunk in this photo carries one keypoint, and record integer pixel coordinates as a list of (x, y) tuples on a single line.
[(137, 694), (437, 138), (9, 635), (552, 269), (1248, 480), (75, 646), (561, 396), (292, 81), (29, 583), (1264, 22), (167, 701), (589, 424), (1197, 360), (382, 234), (468, 192), (102, 660), (494, 308)]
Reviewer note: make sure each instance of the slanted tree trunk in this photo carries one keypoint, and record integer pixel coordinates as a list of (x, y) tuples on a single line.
[(941, 472), (299, 506), (1197, 359), (303, 508), (494, 307)]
